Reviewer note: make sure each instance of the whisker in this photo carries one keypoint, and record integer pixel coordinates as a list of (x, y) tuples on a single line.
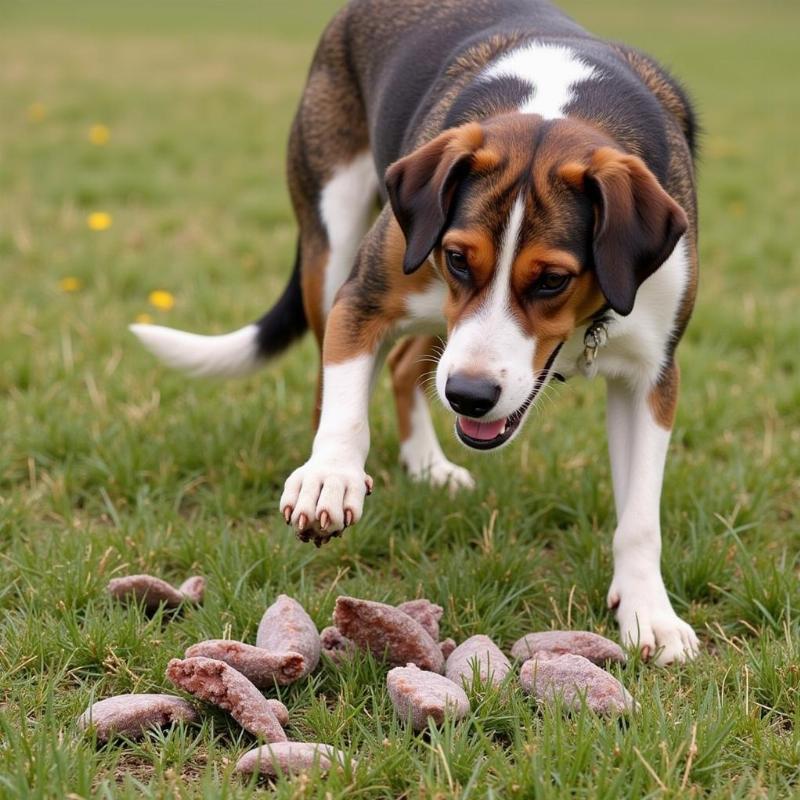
[(428, 386)]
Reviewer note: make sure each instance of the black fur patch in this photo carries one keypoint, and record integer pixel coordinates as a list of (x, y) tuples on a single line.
[(485, 98), (286, 320)]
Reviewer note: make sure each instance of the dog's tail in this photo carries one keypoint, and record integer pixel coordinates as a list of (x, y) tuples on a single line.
[(236, 353)]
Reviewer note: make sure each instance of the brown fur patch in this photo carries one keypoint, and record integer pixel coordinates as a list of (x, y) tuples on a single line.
[(409, 361), (478, 246), (533, 259), (532, 153), (573, 174), (663, 397), (312, 276), (344, 341), (485, 160), (375, 298)]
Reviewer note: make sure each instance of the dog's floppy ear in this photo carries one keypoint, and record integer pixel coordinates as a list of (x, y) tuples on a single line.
[(637, 224), (422, 185)]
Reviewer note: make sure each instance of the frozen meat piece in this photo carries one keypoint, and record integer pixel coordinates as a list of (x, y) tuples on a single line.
[(288, 758), (132, 714), (153, 592), (287, 628), (221, 685), (492, 664), (596, 648), (261, 667), (426, 613), (573, 678), (419, 695), (335, 645), (387, 632)]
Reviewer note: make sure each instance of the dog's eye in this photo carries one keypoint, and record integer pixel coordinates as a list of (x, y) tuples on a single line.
[(549, 284), (457, 265)]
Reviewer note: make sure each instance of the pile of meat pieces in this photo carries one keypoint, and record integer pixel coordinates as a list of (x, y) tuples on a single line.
[(427, 681), (429, 678)]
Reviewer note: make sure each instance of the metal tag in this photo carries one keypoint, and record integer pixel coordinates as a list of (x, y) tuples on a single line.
[(595, 337)]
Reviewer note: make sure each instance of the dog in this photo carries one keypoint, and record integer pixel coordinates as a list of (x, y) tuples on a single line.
[(490, 170)]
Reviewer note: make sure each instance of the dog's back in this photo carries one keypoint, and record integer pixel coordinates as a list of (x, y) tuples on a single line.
[(415, 63)]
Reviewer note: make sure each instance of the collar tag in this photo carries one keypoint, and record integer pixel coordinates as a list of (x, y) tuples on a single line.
[(595, 337)]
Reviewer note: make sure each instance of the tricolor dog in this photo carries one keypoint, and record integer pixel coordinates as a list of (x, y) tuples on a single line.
[(489, 170)]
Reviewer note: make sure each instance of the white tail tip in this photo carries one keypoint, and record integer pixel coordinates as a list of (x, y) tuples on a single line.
[(228, 356)]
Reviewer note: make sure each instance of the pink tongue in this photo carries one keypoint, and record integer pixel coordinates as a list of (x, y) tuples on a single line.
[(483, 431)]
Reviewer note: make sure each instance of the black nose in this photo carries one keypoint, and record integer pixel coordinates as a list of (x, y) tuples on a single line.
[(470, 396)]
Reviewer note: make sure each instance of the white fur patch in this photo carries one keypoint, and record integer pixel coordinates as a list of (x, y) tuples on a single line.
[(501, 282), (343, 424), (424, 309), (333, 480), (637, 343), (638, 452), (229, 355), (345, 206), (552, 72)]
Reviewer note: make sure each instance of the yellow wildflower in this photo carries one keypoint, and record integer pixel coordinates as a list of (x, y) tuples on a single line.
[(99, 134), (37, 112), (737, 208), (69, 284), (161, 299), (99, 221), (144, 319)]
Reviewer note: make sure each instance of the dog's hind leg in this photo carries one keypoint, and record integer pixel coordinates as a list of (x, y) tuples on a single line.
[(410, 361)]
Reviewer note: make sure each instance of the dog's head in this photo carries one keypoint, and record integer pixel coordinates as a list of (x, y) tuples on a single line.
[(535, 226)]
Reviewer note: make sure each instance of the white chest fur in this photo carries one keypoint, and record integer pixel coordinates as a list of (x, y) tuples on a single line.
[(637, 344)]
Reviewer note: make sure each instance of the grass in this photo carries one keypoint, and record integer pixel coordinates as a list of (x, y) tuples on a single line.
[(109, 464)]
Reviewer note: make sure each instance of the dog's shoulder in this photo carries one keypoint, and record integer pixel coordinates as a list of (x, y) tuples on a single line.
[(667, 89)]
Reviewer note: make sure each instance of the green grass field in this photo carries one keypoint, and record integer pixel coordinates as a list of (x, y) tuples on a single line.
[(110, 464)]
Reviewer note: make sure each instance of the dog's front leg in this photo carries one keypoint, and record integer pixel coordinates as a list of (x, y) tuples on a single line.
[(326, 494), (639, 427)]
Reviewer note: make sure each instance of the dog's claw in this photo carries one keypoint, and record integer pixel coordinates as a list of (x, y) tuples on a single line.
[(321, 499)]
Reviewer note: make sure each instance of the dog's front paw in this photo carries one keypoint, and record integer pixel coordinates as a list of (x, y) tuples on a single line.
[(647, 621), (323, 497)]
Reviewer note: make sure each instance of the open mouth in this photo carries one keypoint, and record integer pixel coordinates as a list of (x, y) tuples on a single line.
[(488, 435)]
